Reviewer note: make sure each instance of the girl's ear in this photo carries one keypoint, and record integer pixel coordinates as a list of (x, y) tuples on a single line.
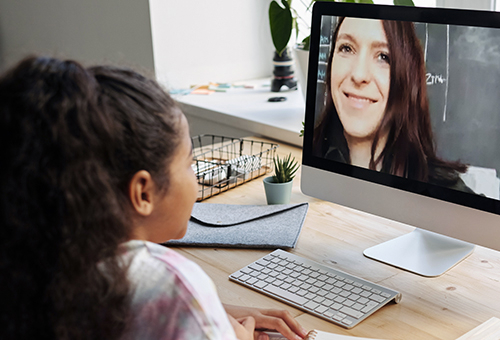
[(140, 192)]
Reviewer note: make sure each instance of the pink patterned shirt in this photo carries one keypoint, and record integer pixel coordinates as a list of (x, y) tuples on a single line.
[(172, 297)]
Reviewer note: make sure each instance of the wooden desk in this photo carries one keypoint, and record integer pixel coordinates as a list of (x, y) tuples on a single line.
[(445, 307)]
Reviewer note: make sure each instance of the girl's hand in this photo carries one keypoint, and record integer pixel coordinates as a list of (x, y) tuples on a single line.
[(244, 327), (269, 319)]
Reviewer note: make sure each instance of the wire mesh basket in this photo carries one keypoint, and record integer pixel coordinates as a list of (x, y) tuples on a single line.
[(222, 163)]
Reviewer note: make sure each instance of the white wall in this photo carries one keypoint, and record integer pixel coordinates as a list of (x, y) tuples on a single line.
[(195, 42), (92, 31), (467, 4)]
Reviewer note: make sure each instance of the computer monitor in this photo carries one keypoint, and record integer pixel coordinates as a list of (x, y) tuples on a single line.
[(403, 121)]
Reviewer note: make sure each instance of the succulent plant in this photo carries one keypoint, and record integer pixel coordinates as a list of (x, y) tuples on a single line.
[(285, 168)]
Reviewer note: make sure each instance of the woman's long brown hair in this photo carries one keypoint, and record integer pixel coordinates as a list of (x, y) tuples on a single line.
[(410, 149)]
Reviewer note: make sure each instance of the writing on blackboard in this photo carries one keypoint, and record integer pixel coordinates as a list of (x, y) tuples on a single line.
[(321, 74), (435, 79), (324, 39)]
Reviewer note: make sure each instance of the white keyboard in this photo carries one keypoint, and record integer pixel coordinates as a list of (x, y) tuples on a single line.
[(330, 294)]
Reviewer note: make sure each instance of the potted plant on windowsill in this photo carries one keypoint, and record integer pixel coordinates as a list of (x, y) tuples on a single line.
[(278, 188), (283, 21)]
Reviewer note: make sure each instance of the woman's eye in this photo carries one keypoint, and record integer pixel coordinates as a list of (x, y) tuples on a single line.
[(344, 48), (384, 57)]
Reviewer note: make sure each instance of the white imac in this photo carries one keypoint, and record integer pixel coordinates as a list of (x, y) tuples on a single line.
[(403, 121)]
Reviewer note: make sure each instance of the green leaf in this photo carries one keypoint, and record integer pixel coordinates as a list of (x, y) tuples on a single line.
[(364, 2), (306, 43), (303, 125), (404, 3), (285, 169), (281, 23)]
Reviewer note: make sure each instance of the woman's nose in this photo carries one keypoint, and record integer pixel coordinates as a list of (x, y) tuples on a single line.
[(360, 72)]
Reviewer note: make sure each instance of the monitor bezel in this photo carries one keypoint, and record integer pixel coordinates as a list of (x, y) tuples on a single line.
[(400, 13)]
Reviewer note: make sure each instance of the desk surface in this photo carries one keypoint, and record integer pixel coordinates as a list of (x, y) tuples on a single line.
[(445, 307)]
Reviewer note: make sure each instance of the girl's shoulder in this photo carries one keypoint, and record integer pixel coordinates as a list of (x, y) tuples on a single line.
[(148, 258), (164, 282)]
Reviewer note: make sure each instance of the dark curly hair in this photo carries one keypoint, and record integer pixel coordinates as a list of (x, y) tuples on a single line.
[(71, 139)]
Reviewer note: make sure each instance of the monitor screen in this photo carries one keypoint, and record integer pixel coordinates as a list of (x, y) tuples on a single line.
[(403, 103)]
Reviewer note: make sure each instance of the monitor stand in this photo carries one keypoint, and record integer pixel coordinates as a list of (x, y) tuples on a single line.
[(422, 252)]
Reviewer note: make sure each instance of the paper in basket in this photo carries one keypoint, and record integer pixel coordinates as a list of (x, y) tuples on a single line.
[(244, 226)]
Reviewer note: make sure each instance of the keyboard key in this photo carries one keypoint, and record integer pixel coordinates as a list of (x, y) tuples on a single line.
[(377, 298), (322, 277), (348, 303), (337, 317), (305, 286), (252, 281), (302, 292), (348, 287), (356, 290), (365, 294), (347, 322), (322, 292), (353, 297), (319, 284), (256, 266), (327, 302), (351, 312), (311, 305), (319, 299), (336, 306), (310, 296), (345, 293), (262, 262), (328, 314), (357, 306), (237, 274), (286, 295), (260, 284), (339, 299), (327, 287), (314, 275), (286, 286), (321, 309), (363, 300)]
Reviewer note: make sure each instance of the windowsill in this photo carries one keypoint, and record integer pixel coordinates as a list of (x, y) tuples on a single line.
[(250, 110)]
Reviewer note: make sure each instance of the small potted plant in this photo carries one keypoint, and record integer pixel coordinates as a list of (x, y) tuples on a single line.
[(279, 187)]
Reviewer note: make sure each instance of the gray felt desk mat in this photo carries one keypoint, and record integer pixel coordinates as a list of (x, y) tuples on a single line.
[(244, 226)]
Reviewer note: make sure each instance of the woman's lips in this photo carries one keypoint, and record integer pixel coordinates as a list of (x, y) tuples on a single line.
[(358, 102)]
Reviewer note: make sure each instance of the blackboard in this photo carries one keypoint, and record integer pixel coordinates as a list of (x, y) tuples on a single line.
[(463, 84)]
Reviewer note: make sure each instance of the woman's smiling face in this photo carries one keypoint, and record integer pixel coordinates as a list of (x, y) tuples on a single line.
[(360, 76)]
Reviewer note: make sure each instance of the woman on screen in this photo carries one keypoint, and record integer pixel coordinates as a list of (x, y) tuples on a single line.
[(376, 112)]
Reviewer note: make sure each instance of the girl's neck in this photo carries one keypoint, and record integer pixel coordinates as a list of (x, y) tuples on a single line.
[(360, 151)]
